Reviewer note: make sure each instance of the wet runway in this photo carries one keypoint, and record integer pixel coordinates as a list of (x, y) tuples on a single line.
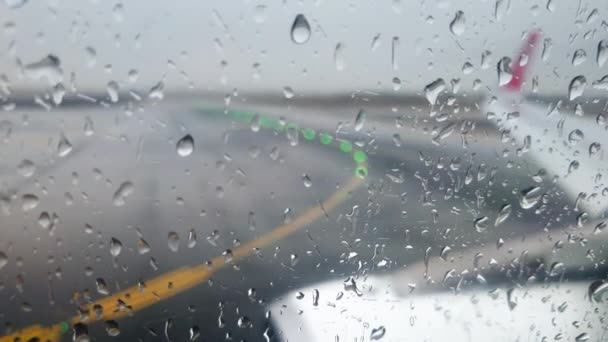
[(432, 179)]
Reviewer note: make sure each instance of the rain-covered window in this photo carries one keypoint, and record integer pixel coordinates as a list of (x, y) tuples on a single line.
[(306, 170)]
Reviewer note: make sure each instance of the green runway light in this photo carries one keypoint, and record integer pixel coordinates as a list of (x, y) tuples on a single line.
[(360, 157), (325, 138), (308, 133), (64, 326), (346, 146)]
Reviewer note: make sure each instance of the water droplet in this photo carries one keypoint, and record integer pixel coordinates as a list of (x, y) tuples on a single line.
[(251, 293), (118, 12), (575, 136), (124, 190), (173, 241), (481, 224), (602, 52), (3, 260), (594, 148), (351, 285), (293, 259), (47, 68), (339, 57), (157, 92), (185, 146), (557, 269), (64, 147), (81, 333), (551, 5), (26, 168), (360, 120), (300, 30), (112, 328), (505, 74), (307, 181), (88, 126), (582, 337), (256, 123), (579, 57), (396, 83), (15, 4), (194, 333), (433, 89), (293, 136), (91, 56), (102, 287), (503, 214), (315, 297), (530, 197), (511, 298), (444, 253), (288, 92), (377, 333), (112, 88), (143, 247), (227, 255), (58, 93), (394, 57), (29, 202), (576, 87), (243, 322), (115, 247), (192, 238), (457, 26), (597, 290)]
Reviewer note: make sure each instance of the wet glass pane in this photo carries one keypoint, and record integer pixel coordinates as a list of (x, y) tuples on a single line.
[(303, 170)]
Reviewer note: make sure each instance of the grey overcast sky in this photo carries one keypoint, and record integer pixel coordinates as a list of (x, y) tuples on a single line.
[(222, 45)]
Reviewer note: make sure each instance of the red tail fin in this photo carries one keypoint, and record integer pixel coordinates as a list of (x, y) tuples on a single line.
[(519, 70)]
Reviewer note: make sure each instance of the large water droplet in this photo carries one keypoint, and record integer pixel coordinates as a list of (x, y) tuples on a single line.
[(503, 214), (576, 87), (579, 57), (173, 241), (300, 30), (124, 190), (29, 202), (597, 291), (505, 73), (81, 333), (582, 337), (575, 136), (433, 89), (481, 224), (377, 333), (115, 247), (143, 247), (458, 24), (102, 287), (112, 328), (185, 146), (530, 197)]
